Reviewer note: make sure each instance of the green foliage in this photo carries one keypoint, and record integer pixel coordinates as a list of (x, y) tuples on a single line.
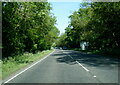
[(26, 26), (96, 23), (106, 17), (61, 40), (12, 64)]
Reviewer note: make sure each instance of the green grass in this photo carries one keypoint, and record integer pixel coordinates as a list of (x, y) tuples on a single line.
[(0, 69), (115, 53), (15, 63), (105, 52)]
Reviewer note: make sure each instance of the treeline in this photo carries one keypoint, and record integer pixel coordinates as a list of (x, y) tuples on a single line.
[(96, 23), (27, 27)]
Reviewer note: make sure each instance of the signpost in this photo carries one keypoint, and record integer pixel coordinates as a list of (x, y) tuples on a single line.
[(83, 45)]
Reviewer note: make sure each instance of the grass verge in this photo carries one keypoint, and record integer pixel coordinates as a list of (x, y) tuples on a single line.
[(15, 63), (109, 52), (0, 69)]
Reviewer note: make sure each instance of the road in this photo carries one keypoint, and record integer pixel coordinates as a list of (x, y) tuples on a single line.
[(67, 66)]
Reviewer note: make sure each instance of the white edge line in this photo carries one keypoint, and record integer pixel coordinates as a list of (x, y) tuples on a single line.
[(82, 66), (28, 68)]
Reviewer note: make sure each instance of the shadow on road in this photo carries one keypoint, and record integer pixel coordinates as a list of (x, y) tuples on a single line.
[(88, 59)]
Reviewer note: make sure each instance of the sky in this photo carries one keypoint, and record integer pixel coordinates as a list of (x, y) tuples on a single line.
[(62, 10)]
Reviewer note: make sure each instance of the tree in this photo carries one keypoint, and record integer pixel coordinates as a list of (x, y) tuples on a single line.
[(96, 23), (27, 26)]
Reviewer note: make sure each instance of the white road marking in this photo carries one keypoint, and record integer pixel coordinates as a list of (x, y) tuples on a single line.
[(71, 57), (82, 66), (28, 68), (77, 62), (64, 52)]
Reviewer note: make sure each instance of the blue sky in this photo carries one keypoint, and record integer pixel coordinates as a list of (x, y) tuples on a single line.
[(62, 10)]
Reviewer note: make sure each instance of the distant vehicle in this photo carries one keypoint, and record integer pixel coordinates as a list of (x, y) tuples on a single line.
[(64, 48), (58, 47)]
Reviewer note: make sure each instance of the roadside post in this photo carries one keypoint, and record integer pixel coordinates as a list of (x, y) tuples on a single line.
[(84, 45)]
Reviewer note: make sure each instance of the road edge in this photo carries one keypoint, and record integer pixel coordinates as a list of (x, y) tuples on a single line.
[(17, 73)]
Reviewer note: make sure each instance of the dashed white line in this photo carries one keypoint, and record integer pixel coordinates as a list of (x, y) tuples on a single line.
[(82, 66), (77, 62), (94, 76), (27, 68)]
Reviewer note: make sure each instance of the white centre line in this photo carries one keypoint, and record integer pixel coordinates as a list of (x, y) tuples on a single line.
[(82, 66), (77, 62), (28, 68), (94, 76)]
